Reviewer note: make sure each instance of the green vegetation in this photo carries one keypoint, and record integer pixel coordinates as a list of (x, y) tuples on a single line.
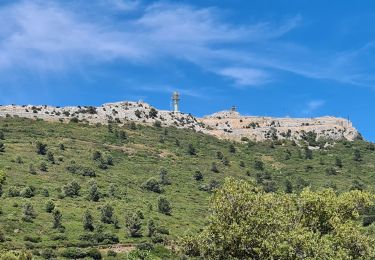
[(247, 223), (80, 186)]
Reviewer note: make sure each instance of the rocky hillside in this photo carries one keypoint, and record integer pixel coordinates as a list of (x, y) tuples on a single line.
[(225, 124), (231, 125)]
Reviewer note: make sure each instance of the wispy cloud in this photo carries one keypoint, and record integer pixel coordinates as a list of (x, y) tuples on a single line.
[(312, 106), (51, 36), (246, 76)]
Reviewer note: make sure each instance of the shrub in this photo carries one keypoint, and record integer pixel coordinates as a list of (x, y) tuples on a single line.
[(151, 228), (164, 177), (62, 147), (28, 212), (94, 253), (96, 155), (43, 167), (152, 185), (73, 253), (357, 155), (107, 214), (191, 150), (157, 123), (94, 194), (41, 148), (2, 136), (88, 221), (32, 169), (232, 148), (2, 147), (13, 192), (27, 192), (164, 206), (133, 225), (72, 189), (214, 167), (50, 157), (50, 206), (198, 176), (33, 239), (258, 165), (145, 246), (48, 253), (57, 219), (111, 253), (153, 113)]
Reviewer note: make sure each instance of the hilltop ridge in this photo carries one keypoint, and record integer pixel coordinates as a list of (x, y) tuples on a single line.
[(225, 124)]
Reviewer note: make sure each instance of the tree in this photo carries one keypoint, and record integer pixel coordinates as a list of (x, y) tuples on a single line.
[(308, 153), (41, 148), (152, 185), (164, 180), (191, 150), (151, 228), (88, 221), (50, 206), (43, 167), (28, 212), (2, 147), (50, 157), (153, 113), (107, 214), (258, 165), (72, 189), (247, 223), (164, 206), (338, 162), (214, 168), (57, 218), (32, 169), (133, 225), (2, 136), (357, 155), (232, 148), (96, 155), (288, 186), (198, 176), (219, 155), (94, 194)]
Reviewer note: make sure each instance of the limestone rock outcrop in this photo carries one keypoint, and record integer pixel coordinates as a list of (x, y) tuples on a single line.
[(225, 124)]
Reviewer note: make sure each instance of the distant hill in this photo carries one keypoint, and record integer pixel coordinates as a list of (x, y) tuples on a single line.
[(225, 124), (130, 165)]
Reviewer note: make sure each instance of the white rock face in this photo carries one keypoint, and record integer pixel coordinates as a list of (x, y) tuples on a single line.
[(231, 125), (225, 124)]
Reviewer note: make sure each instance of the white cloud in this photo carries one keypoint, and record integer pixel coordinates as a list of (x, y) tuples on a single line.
[(51, 36), (246, 76), (312, 106)]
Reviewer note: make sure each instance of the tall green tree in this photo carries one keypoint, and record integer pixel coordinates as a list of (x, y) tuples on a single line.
[(88, 221)]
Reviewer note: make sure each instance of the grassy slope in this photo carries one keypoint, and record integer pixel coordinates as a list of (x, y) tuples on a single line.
[(136, 160)]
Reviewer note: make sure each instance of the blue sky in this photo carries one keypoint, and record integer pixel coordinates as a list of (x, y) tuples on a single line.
[(293, 58)]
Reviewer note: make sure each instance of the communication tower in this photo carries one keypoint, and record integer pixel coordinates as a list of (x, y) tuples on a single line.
[(176, 101)]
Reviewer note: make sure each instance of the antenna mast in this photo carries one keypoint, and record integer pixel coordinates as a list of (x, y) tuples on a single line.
[(176, 101)]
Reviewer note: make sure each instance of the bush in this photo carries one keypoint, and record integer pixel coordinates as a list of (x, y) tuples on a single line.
[(73, 253), (145, 246), (88, 221), (57, 217), (50, 206), (214, 168), (152, 185), (41, 148), (133, 225), (2, 147), (72, 189), (27, 192), (13, 192), (94, 194), (28, 212), (33, 239), (48, 253), (107, 214), (111, 253), (94, 253), (43, 167), (164, 177), (191, 150), (258, 165), (198, 176), (164, 206)]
